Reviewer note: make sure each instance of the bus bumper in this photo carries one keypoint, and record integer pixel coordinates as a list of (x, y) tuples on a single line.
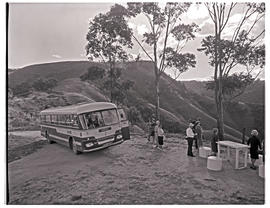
[(105, 145)]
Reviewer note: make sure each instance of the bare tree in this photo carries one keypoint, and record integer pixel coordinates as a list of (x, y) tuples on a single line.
[(165, 24), (240, 49)]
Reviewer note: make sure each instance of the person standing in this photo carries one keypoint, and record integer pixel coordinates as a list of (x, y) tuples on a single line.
[(159, 134), (198, 136), (190, 137), (152, 125), (195, 123), (254, 143), (214, 140)]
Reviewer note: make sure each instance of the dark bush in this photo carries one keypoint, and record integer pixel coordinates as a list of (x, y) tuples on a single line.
[(22, 89), (44, 85), (93, 73), (134, 116)]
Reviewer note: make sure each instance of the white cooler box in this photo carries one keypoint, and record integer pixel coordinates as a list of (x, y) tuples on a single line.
[(204, 152)]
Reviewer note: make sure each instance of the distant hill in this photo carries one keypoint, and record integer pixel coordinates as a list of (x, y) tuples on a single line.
[(253, 94), (179, 101)]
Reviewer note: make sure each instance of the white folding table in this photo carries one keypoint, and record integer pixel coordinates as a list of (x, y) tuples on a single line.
[(238, 147)]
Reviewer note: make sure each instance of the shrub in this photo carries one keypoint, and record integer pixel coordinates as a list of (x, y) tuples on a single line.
[(44, 85), (93, 73), (22, 89)]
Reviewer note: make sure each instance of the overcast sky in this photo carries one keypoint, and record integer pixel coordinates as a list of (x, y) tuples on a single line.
[(41, 33)]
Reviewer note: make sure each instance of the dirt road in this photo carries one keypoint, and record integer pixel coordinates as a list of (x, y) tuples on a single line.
[(131, 173)]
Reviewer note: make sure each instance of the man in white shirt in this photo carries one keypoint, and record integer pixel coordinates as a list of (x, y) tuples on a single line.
[(190, 138)]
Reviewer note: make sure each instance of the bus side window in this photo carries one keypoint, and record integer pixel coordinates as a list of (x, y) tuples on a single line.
[(74, 121), (83, 122), (68, 120), (53, 119), (48, 119), (62, 122)]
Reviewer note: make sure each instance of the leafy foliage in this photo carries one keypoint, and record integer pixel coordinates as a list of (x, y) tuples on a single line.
[(117, 87), (233, 84), (22, 89), (133, 115), (180, 61), (107, 35), (232, 53)]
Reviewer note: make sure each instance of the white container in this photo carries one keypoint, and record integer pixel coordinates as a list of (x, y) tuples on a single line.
[(258, 161), (214, 163), (204, 152), (261, 170)]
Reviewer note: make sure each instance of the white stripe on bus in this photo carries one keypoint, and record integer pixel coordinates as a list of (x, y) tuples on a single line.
[(60, 138), (83, 133), (66, 140)]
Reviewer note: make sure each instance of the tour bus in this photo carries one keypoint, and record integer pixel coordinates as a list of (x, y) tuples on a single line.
[(84, 127)]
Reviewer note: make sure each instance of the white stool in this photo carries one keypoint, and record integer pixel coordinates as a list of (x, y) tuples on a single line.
[(258, 161), (204, 152), (214, 163), (261, 170)]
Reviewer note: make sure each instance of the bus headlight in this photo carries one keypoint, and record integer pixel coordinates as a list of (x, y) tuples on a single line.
[(89, 144), (119, 136)]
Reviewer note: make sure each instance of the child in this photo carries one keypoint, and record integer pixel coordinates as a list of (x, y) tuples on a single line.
[(159, 135)]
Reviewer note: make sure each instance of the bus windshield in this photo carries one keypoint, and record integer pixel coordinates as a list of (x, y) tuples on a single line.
[(110, 117), (99, 118)]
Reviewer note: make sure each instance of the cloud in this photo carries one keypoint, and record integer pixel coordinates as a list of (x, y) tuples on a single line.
[(132, 25), (197, 11), (142, 29), (207, 29), (56, 56)]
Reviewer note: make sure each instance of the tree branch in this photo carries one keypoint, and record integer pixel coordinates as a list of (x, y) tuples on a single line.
[(254, 39), (165, 42), (143, 48), (228, 15)]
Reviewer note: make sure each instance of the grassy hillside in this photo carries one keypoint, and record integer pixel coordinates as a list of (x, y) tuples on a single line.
[(253, 94), (179, 101)]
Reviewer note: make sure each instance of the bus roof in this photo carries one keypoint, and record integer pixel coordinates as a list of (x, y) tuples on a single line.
[(79, 108)]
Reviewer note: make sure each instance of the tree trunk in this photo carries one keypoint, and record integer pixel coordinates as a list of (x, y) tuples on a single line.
[(220, 92), (220, 117), (157, 97), (216, 78), (218, 86), (111, 79)]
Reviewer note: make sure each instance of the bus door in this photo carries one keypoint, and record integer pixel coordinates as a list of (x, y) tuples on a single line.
[(111, 122), (124, 124)]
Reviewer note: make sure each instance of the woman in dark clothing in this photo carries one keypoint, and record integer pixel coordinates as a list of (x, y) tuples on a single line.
[(214, 141), (198, 137), (254, 143)]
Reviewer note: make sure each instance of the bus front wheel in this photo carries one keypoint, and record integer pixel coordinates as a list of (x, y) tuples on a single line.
[(73, 146)]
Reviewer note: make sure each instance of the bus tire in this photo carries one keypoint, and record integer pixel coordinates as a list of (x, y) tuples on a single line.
[(73, 146), (48, 138)]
